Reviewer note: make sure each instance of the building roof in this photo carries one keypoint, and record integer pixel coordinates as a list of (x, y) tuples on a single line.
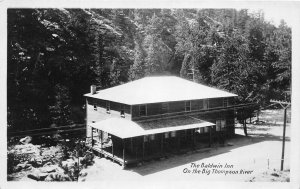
[(158, 89), (124, 128)]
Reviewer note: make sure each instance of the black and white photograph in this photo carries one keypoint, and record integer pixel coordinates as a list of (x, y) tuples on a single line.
[(112, 94)]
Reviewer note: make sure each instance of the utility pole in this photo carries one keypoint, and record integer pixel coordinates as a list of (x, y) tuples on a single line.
[(284, 105)]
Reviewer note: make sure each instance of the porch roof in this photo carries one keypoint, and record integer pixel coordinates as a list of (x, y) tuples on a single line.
[(124, 128)]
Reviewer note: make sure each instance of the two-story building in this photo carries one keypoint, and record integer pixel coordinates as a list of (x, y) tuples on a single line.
[(155, 116)]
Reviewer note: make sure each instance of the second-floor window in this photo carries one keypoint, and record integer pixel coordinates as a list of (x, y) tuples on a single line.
[(187, 106), (108, 107), (164, 107), (142, 110), (205, 104), (225, 102), (122, 112)]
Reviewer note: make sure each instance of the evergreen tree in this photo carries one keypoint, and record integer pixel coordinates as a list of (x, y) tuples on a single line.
[(158, 54), (137, 69), (60, 112), (54, 55)]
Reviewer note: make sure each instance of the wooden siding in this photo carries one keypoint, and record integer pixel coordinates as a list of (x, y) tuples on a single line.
[(215, 111), (100, 112)]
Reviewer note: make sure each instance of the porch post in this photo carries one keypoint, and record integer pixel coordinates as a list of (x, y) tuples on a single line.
[(101, 143), (193, 138), (92, 136), (101, 139), (178, 146), (162, 143), (123, 140), (112, 148), (210, 136), (143, 148), (136, 148)]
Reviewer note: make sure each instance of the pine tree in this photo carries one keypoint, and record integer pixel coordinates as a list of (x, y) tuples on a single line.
[(137, 69), (60, 112)]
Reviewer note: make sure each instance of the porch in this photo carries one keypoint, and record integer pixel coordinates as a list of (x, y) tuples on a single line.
[(131, 146)]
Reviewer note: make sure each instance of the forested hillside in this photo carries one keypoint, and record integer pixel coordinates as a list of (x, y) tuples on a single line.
[(54, 55)]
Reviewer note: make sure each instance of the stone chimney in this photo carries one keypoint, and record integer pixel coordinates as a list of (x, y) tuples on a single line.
[(93, 89)]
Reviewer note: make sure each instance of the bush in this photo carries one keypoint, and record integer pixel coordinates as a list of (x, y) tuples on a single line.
[(88, 159), (14, 159)]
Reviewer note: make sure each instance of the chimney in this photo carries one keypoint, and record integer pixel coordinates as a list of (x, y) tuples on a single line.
[(93, 89)]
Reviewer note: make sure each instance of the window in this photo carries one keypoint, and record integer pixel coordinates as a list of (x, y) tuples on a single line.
[(218, 125), (205, 104), (95, 107), (108, 107), (164, 107), (200, 130), (142, 110), (122, 112), (206, 129), (173, 133), (146, 138), (152, 137), (225, 102), (200, 104), (223, 124), (187, 106), (167, 135)]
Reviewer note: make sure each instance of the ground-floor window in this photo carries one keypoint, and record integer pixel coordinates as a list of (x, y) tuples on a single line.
[(152, 137), (200, 130), (146, 138), (167, 135), (218, 125), (173, 134), (223, 124), (206, 129)]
